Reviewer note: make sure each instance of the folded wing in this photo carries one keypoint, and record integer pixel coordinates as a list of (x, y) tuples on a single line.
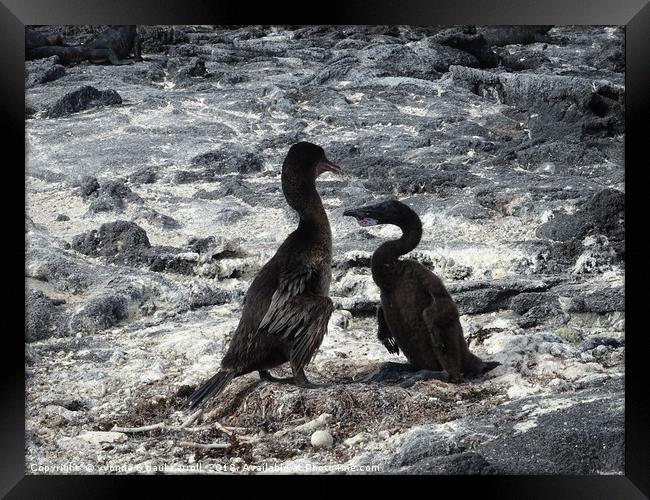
[(298, 314)]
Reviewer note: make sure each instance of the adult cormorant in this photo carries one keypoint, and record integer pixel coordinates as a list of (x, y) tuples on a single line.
[(287, 307)]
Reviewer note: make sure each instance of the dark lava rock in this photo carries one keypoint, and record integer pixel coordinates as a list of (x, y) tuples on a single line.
[(184, 50), (185, 75), (474, 297), (167, 259), (585, 438), (88, 186), (212, 297), (526, 301), (563, 254), (107, 196), (459, 463), (84, 98), (99, 313), (43, 71), (551, 258), (124, 242), (458, 272), (60, 268), (158, 39), (383, 60), (201, 245), (196, 67), (562, 156), (223, 161), (563, 227), (64, 274), (42, 316), (145, 175), (368, 167), (156, 73), (538, 314), (606, 213), (235, 187), (441, 56), (508, 35), (603, 214), (62, 217), (520, 62), (215, 249), (600, 301), (504, 202), (112, 239), (611, 55), (35, 38), (409, 179), (466, 38), (593, 342), (421, 444), (470, 211), (232, 78), (185, 176), (563, 105)]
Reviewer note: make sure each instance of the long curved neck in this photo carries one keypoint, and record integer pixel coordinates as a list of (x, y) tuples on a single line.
[(385, 257), (304, 199), (313, 215)]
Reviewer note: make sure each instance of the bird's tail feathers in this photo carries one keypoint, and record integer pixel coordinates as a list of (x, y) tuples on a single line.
[(212, 387)]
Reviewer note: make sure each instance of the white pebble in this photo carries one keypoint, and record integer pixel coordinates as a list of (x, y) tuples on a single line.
[(322, 439)]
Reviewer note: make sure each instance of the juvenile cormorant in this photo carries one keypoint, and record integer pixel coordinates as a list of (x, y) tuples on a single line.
[(417, 314), (287, 307)]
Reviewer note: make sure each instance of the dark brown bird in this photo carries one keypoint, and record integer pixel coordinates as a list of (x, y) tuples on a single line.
[(417, 314), (287, 307)]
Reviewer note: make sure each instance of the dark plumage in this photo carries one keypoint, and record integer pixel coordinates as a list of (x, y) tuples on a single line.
[(287, 308), (417, 314)]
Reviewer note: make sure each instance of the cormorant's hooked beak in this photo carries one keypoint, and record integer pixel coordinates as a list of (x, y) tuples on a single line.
[(328, 166), (363, 215)]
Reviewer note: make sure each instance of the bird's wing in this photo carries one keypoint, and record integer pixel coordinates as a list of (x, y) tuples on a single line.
[(297, 314), (430, 283), (384, 333), (292, 282), (442, 310)]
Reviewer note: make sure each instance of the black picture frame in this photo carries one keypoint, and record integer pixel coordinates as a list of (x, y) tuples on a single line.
[(634, 14)]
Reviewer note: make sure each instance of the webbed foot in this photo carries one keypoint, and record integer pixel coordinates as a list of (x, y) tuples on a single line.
[(485, 367), (388, 372), (267, 377), (425, 375), (299, 380)]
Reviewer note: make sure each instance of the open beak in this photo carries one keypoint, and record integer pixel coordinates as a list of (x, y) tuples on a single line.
[(354, 212), (363, 216), (328, 166)]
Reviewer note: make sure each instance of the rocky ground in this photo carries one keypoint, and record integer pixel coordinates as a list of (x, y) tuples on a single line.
[(153, 198)]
